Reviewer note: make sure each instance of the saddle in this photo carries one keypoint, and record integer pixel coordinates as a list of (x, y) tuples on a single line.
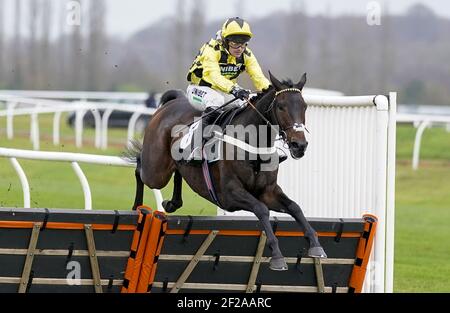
[(197, 142), (222, 118)]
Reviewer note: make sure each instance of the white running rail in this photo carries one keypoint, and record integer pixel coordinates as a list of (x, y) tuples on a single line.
[(74, 159), (41, 106), (422, 122), (134, 97), (78, 95)]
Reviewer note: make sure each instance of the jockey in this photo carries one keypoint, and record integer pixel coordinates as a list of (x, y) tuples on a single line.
[(214, 72)]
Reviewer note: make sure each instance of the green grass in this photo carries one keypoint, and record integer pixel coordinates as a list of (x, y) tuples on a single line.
[(422, 245), (422, 231)]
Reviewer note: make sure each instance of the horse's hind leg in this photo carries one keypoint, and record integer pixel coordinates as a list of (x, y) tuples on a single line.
[(139, 197), (177, 202)]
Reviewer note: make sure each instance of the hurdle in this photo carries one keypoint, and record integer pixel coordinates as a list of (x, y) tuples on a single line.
[(50, 250), (147, 251)]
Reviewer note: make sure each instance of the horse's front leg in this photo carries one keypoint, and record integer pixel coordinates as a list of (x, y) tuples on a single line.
[(276, 200), (239, 198)]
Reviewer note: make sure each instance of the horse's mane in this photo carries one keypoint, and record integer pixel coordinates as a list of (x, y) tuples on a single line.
[(288, 83), (258, 96)]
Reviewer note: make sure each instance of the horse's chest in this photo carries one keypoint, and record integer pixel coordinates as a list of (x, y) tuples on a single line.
[(256, 181), (262, 180)]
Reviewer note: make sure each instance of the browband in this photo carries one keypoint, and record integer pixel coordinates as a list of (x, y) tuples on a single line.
[(288, 89)]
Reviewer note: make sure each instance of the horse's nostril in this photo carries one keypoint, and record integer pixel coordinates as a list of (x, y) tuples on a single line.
[(299, 145)]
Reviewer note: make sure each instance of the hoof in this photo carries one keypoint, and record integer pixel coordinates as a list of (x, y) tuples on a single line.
[(168, 206), (317, 252), (278, 264)]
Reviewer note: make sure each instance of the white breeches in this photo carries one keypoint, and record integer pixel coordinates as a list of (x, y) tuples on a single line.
[(202, 97)]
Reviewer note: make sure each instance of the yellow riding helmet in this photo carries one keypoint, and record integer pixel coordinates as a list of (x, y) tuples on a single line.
[(236, 26)]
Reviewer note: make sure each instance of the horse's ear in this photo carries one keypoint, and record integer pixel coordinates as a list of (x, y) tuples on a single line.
[(275, 82), (302, 82)]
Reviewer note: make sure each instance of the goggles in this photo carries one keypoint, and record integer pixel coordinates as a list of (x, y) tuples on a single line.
[(236, 45)]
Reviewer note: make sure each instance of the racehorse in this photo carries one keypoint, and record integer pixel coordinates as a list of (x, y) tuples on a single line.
[(239, 184)]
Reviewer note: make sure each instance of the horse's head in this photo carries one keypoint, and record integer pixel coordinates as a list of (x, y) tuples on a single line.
[(288, 111)]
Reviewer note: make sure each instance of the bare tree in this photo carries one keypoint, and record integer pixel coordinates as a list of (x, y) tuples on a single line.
[(197, 24), (240, 8), (296, 40), (59, 77), (347, 62), (31, 53), (17, 60), (386, 52), (2, 49), (76, 56), (180, 69), (325, 49), (44, 51), (97, 45)]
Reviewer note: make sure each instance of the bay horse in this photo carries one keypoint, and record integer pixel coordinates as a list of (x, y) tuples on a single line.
[(239, 185)]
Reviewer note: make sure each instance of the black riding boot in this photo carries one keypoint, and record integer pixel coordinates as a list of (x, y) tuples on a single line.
[(208, 120), (196, 156)]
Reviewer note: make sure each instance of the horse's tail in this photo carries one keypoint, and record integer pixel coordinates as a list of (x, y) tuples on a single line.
[(132, 153), (171, 95)]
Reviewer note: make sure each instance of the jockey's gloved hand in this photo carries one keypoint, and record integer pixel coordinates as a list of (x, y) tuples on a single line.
[(266, 89), (240, 92)]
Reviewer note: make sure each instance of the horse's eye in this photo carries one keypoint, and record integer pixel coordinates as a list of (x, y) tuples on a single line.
[(281, 107)]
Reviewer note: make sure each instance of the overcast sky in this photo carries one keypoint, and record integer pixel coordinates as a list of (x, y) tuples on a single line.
[(124, 17)]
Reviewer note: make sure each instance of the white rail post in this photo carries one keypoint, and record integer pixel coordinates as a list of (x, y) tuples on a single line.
[(105, 119), (34, 127), (9, 119), (23, 182), (85, 184), (98, 128), (132, 125), (79, 115), (417, 141), (56, 123)]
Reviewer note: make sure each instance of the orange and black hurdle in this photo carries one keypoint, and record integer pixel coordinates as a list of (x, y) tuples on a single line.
[(147, 251)]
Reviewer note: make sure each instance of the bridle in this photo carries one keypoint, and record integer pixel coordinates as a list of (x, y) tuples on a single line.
[(274, 115)]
